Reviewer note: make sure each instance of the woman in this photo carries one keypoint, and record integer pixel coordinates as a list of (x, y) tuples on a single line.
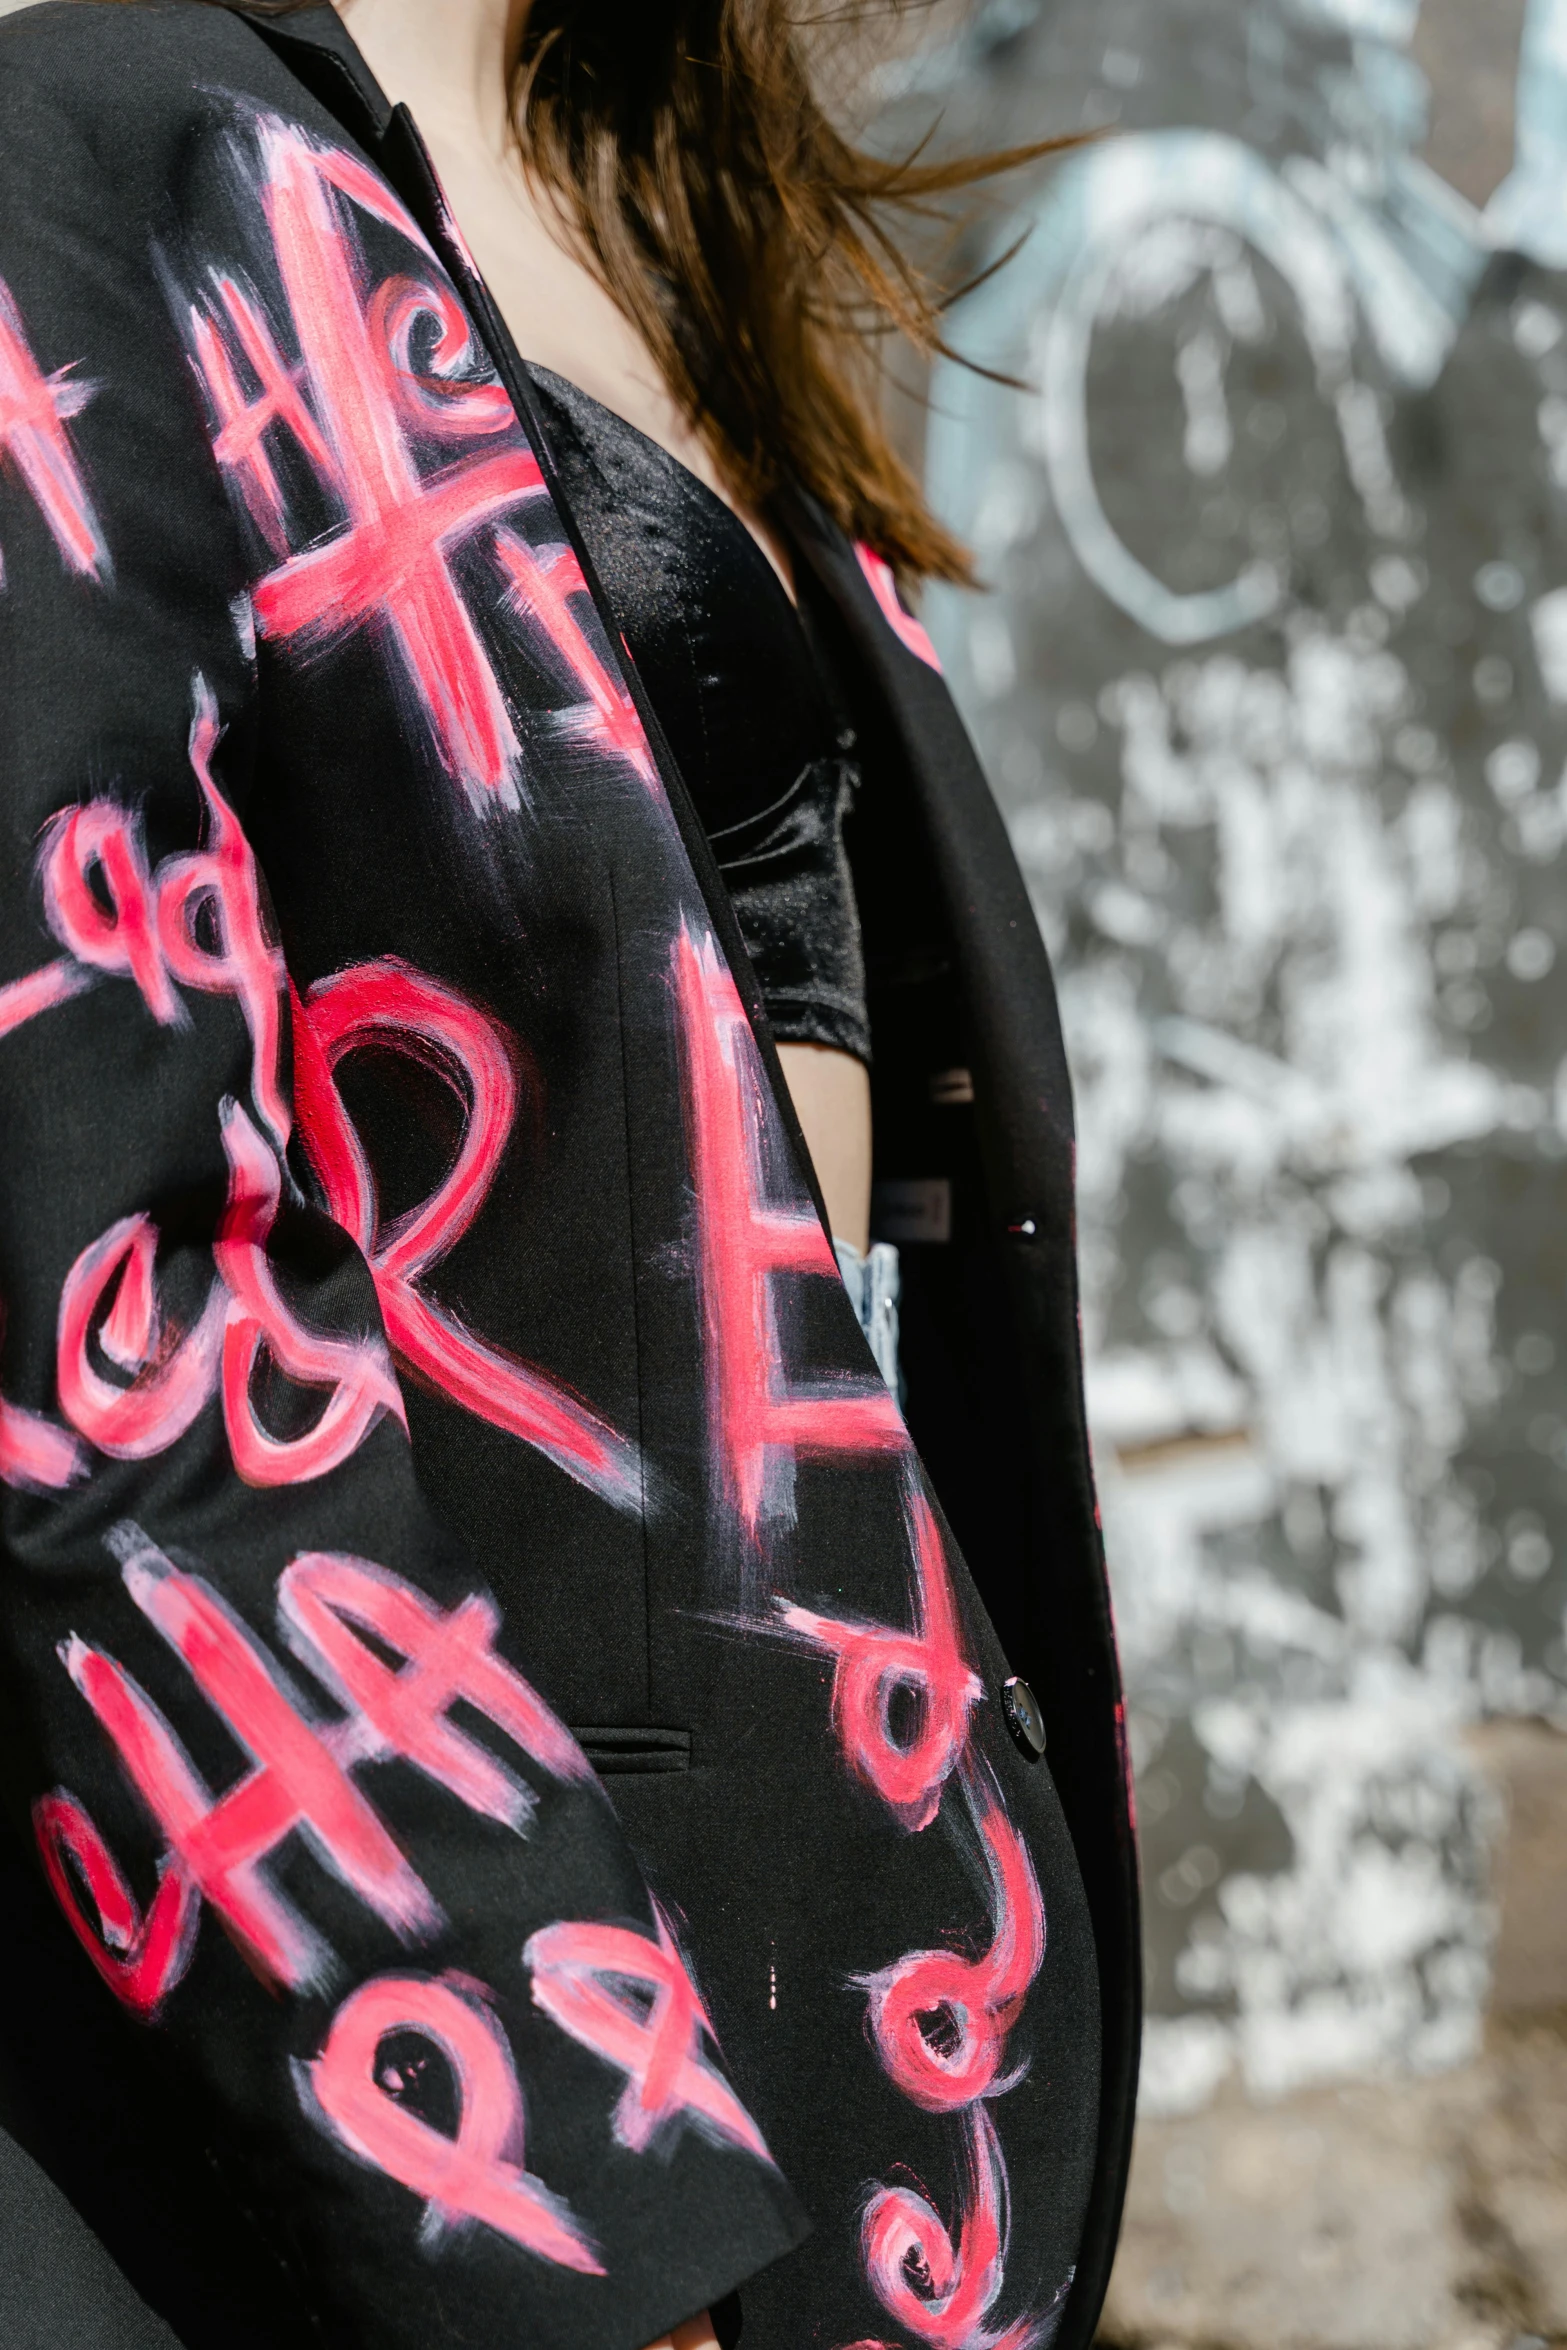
[(430, 1407)]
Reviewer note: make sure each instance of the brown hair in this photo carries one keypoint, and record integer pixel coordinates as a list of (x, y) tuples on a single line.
[(750, 241)]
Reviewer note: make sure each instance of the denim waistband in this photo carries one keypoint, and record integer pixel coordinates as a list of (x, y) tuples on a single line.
[(872, 1282)]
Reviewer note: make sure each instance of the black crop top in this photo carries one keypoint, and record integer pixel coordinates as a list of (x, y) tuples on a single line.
[(746, 701)]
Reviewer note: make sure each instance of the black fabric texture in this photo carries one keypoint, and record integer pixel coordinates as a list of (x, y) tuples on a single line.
[(730, 670), (101, 1117), (58, 2288), (518, 989), (989, 1330), (140, 2150), (728, 2321)]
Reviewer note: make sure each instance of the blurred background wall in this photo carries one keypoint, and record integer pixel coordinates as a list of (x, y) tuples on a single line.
[(1272, 687)]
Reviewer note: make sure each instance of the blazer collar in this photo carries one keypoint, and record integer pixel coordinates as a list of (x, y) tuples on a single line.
[(317, 47)]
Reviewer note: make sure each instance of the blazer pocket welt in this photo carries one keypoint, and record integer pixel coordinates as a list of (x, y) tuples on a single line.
[(617, 1752)]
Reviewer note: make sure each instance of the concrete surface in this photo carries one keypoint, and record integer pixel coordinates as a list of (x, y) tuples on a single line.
[(1419, 2215), (1388, 2214)]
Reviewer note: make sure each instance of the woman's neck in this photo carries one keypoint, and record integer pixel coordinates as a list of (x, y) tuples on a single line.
[(451, 57)]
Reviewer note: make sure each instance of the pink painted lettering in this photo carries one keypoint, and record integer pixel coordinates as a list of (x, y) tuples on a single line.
[(595, 1981), (34, 411), (975, 2001), (884, 587), (939, 2291), (543, 581), (356, 1372), (219, 885), (477, 2176), (390, 564), (173, 1372), (23, 999), (141, 1955), (297, 1784), (441, 396), (244, 420), (35, 1456), (760, 1424), (874, 1663), (326, 1605), (390, 1004), (113, 928), (197, 919)]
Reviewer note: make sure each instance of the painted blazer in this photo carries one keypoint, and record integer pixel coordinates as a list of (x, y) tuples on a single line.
[(515, 1830)]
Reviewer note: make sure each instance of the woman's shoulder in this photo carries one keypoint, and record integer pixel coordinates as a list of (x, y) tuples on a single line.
[(113, 61), (105, 106)]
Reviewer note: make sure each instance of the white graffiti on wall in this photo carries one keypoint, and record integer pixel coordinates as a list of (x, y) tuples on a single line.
[(1139, 222), (1254, 918), (1332, 1394), (1528, 213)]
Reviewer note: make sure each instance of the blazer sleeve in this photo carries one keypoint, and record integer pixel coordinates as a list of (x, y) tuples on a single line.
[(281, 1761)]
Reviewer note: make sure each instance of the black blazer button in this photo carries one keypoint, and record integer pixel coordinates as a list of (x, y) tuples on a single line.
[(1024, 1719)]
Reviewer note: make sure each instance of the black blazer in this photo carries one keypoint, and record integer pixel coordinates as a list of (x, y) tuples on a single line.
[(517, 1831)]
